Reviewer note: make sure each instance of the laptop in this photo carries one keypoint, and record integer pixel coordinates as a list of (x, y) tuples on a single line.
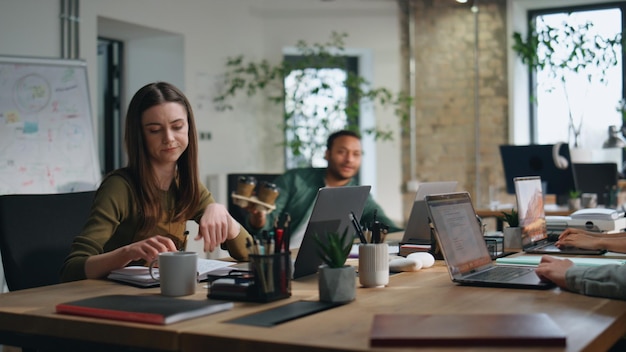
[(532, 220), (464, 248), (417, 228), (331, 213)]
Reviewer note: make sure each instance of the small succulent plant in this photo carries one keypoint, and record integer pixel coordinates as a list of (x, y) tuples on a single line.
[(511, 218), (335, 251)]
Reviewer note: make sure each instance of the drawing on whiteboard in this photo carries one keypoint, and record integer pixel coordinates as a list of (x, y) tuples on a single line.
[(46, 136), (32, 93)]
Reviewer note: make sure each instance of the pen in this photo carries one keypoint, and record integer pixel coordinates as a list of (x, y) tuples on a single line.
[(182, 248), (357, 227)]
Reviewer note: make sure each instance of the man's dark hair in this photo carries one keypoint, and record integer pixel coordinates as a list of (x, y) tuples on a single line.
[(335, 135)]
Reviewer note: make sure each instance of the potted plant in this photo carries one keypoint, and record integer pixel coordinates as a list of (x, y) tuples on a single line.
[(311, 108), (574, 200), (337, 281), (513, 232)]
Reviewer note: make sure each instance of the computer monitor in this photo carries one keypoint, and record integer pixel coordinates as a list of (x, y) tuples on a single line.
[(543, 160), (598, 178)]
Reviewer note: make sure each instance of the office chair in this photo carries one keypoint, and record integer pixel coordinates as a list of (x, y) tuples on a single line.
[(36, 231), (235, 211)]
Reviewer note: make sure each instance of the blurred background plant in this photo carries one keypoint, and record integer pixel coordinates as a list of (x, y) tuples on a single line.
[(315, 101)]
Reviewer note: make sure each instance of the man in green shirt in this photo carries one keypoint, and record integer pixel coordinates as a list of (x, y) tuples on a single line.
[(298, 188)]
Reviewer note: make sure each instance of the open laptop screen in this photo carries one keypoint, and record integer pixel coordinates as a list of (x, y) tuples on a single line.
[(532, 217), (417, 230), (458, 232)]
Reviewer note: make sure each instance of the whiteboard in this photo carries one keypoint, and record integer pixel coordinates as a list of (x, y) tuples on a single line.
[(46, 135)]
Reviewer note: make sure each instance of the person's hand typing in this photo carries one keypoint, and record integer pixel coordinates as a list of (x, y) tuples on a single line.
[(553, 269), (216, 226), (577, 238)]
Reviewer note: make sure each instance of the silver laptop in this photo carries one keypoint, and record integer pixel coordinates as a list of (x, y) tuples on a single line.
[(417, 229), (532, 219), (331, 213), (464, 248)]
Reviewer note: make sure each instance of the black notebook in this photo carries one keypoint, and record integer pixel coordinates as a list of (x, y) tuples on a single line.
[(154, 309)]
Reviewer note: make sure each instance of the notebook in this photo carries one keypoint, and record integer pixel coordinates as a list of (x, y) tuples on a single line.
[(532, 220), (331, 213), (417, 229), (151, 309), (464, 248)]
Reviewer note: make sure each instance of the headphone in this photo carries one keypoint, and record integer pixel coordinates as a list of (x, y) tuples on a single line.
[(559, 161)]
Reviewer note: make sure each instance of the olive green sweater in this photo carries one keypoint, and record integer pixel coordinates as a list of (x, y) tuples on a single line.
[(114, 222)]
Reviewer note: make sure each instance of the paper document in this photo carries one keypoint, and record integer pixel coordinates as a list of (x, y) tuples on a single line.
[(140, 275)]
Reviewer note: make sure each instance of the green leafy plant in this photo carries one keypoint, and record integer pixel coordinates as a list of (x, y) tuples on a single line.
[(336, 250), (571, 48), (311, 108), (573, 194), (511, 218)]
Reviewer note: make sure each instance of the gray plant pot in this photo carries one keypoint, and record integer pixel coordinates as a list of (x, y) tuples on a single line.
[(337, 285), (512, 238)]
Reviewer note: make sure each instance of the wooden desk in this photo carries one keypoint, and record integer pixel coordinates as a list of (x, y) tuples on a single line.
[(27, 317)]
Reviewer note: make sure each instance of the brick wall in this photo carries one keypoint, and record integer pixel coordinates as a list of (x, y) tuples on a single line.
[(445, 102)]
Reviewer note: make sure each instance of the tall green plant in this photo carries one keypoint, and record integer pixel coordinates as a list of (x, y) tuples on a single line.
[(571, 48), (251, 77)]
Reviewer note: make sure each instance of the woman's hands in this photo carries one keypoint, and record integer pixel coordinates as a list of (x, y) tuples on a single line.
[(216, 226), (98, 266)]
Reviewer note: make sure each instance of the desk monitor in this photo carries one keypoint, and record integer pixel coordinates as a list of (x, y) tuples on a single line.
[(551, 162), (599, 178)]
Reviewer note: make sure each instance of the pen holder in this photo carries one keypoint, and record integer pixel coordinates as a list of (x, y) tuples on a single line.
[(272, 276), (268, 279), (373, 264)]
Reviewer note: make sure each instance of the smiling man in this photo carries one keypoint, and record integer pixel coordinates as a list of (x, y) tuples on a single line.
[(298, 187)]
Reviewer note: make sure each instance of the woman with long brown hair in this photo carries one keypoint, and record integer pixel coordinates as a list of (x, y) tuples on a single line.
[(140, 210)]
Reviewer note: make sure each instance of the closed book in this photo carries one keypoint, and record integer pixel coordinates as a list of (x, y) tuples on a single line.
[(419, 330), (406, 249), (154, 309)]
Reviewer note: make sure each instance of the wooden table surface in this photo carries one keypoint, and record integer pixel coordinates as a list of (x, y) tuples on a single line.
[(27, 317)]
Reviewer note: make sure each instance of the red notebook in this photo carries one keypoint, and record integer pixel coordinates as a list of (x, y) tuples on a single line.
[(415, 330), (154, 309)]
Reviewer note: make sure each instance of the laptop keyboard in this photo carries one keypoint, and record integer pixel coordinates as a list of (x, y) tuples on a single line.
[(501, 273)]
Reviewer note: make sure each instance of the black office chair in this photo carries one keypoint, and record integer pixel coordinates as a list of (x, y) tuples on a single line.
[(234, 210), (36, 231)]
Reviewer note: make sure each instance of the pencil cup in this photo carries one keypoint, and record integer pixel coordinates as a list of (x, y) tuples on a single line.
[(177, 273), (373, 264), (272, 276)]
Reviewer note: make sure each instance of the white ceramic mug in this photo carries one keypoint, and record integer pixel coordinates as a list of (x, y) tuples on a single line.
[(373, 264), (178, 273)]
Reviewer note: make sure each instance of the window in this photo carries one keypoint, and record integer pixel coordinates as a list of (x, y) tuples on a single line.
[(577, 107), (326, 105)]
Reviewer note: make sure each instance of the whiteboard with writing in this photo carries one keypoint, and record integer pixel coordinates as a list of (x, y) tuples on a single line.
[(46, 136)]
